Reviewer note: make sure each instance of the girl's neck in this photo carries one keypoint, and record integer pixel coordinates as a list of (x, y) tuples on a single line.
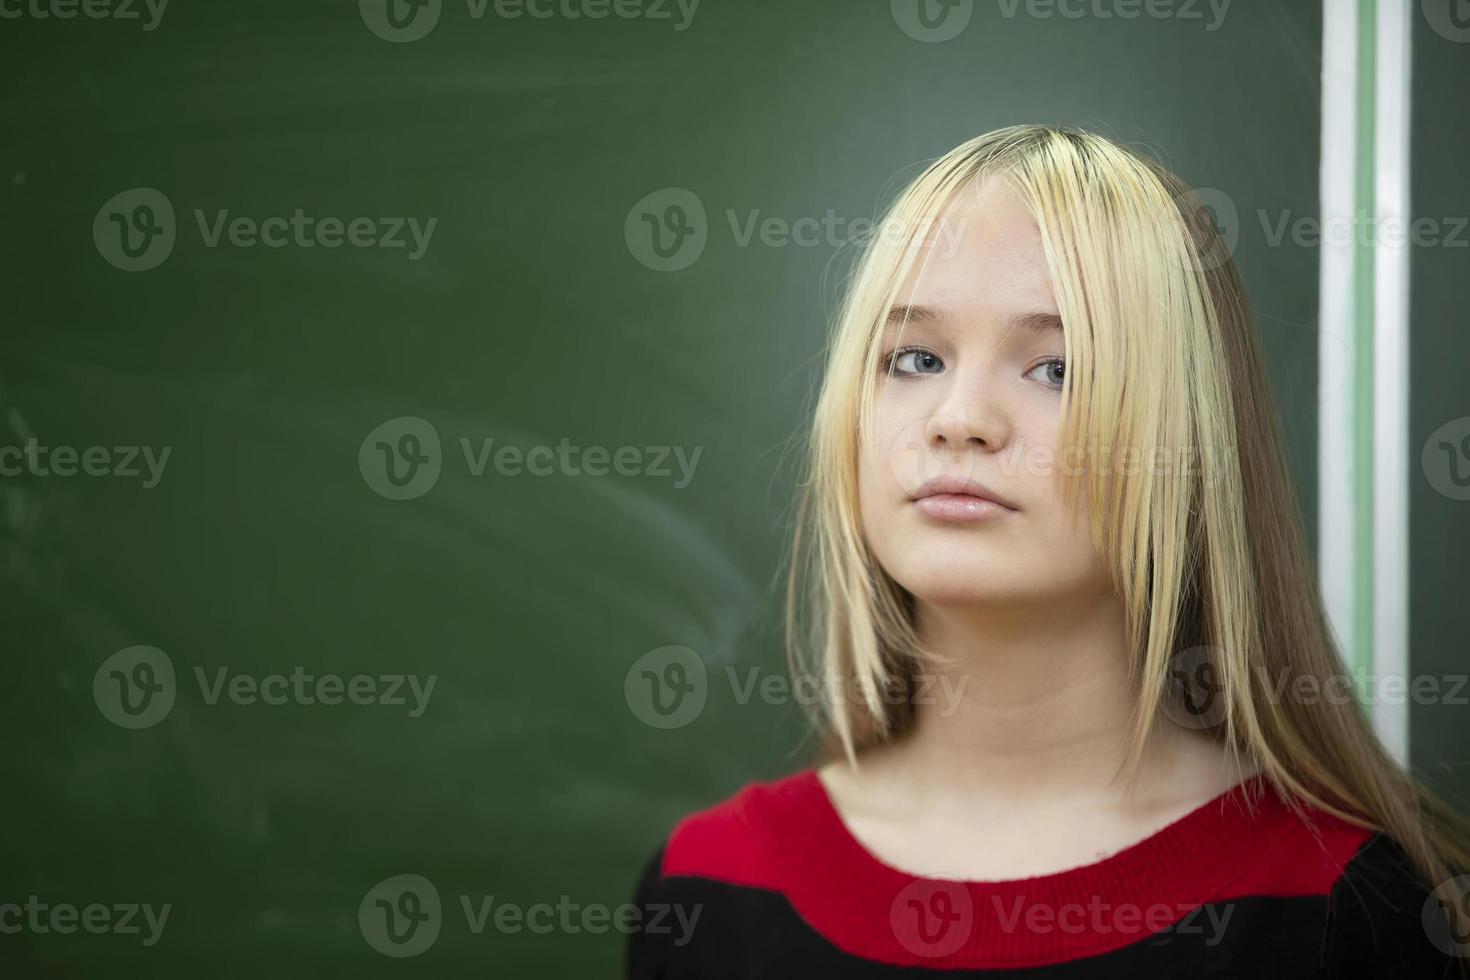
[(1036, 706)]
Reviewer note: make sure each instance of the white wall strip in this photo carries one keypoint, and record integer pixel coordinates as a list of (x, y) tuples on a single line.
[(1335, 355), (1392, 461)]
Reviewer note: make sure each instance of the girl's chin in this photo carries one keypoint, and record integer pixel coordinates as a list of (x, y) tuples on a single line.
[(980, 588)]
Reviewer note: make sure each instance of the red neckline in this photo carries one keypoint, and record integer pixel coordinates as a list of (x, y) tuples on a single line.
[(1163, 843), (867, 907), (787, 836)]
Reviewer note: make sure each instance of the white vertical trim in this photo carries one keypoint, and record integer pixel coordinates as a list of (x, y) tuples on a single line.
[(1336, 554), (1392, 461)]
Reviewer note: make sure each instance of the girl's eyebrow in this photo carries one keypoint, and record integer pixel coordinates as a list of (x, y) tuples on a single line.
[(912, 313), (1038, 322), (918, 313)]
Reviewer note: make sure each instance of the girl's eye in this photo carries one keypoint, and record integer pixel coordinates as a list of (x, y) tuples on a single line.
[(1050, 372), (909, 361)]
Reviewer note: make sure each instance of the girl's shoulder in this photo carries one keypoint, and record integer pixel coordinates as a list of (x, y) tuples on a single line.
[(750, 837), (1382, 913)]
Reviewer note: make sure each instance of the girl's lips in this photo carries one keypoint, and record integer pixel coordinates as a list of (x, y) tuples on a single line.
[(960, 508)]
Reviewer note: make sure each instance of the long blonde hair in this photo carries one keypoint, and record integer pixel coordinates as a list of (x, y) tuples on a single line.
[(1161, 353)]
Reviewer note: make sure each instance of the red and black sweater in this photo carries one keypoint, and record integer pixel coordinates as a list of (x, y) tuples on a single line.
[(771, 884)]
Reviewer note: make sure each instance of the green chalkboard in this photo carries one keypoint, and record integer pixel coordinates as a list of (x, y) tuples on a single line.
[(351, 349)]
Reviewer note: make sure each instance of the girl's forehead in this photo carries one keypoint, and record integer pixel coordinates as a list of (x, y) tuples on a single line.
[(1007, 278), (984, 248), (976, 322)]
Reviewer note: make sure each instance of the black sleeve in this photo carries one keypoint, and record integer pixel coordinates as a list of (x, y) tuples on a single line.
[(646, 954), (1384, 922)]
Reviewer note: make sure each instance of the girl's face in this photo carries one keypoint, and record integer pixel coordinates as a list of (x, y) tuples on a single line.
[(959, 482)]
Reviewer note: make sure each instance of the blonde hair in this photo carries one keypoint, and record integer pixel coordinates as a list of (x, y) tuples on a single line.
[(1214, 558)]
